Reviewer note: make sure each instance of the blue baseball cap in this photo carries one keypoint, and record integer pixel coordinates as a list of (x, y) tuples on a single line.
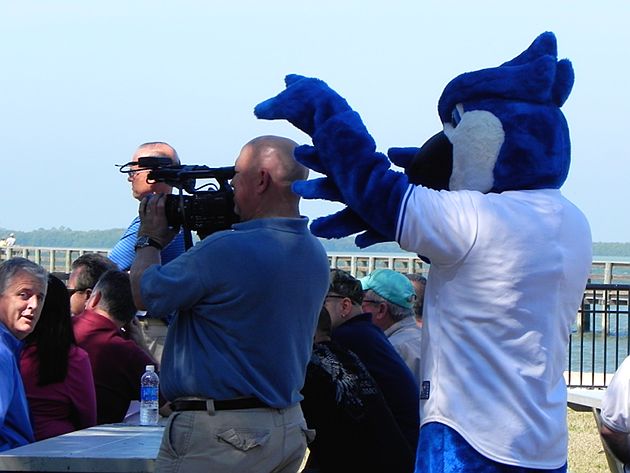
[(391, 286)]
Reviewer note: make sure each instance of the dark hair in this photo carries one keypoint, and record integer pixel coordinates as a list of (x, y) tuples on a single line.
[(324, 323), (53, 335), (116, 298), (346, 285), (94, 265)]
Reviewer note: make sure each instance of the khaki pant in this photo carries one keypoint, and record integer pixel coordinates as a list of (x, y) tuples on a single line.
[(248, 440), (154, 333)]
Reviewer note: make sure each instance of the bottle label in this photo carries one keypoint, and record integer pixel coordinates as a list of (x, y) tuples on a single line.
[(148, 393)]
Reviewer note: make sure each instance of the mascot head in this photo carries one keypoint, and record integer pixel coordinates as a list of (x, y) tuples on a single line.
[(503, 128)]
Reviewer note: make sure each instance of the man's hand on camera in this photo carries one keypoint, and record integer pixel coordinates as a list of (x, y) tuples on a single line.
[(153, 223)]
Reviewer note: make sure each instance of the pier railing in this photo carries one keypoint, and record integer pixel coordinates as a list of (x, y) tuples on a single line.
[(358, 264), (598, 344), (599, 341), (55, 260)]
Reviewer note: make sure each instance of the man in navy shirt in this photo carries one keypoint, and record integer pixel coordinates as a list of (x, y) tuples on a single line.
[(353, 329)]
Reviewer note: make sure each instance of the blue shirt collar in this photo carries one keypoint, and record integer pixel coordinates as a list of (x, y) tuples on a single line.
[(287, 224)]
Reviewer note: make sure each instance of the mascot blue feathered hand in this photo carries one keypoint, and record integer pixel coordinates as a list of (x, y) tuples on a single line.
[(336, 129), (510, 255), (510, 120)]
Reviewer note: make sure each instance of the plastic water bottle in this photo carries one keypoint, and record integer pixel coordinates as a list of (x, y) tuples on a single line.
[(149, 387)]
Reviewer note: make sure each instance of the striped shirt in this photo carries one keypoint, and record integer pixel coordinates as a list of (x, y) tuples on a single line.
[(123, 253)]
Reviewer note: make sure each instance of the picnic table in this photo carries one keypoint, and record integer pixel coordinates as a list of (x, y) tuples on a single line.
[(109, 448)]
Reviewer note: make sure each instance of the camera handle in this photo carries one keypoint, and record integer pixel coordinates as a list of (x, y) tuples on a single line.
[(187, 233)]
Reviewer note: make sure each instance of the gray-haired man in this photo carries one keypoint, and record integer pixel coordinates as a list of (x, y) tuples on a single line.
[(390, 296), (22, 290)]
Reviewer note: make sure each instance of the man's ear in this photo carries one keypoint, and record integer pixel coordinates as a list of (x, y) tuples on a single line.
[(383, 309), (379, 314), (346, 307), (94, 299), (264, 180)]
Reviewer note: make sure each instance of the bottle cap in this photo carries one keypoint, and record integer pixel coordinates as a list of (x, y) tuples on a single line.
[(150, 368)]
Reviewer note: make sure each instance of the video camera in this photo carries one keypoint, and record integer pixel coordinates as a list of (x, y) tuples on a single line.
[(202, 211)]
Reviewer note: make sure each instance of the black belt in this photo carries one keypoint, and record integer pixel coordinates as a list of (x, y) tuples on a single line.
[(219, 405)]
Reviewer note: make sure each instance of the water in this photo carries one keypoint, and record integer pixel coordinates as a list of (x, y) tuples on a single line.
[(149, 388), (597, 353), (149, 413)]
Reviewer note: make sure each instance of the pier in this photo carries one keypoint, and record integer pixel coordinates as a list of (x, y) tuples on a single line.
[(599, 340), (59, 260)]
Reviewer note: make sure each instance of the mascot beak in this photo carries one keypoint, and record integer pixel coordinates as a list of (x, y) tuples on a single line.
[(433, 163)]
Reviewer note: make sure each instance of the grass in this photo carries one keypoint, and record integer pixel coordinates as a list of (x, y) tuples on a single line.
[(586, 454)]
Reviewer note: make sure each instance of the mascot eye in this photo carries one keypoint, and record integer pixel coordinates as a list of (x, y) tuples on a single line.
[(456, 116)]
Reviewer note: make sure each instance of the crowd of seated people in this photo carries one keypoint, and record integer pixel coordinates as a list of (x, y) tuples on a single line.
[(72, 355), (62, 372), (82, 367)]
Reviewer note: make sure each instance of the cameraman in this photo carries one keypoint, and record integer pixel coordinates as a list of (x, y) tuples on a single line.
[(248, 301), (153, 330)]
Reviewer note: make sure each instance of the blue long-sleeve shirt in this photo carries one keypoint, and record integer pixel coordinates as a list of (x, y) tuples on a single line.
[(15, 423), (247, 303)]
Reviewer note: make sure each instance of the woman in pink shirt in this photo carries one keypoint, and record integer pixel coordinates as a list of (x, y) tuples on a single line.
[(57, 374)]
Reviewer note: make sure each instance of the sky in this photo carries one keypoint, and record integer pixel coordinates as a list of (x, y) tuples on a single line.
[(82, 84)]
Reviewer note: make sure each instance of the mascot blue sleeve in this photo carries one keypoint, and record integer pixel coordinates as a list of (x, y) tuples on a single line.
[(357, 175)]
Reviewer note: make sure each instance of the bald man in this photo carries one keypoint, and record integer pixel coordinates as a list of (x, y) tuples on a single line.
[(247, 302), (123, 252), (153, 329)]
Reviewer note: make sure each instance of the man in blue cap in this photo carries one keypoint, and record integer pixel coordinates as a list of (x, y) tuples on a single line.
[(389, 296)]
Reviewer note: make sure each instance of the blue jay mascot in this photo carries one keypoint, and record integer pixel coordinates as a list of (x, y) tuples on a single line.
[(510, 256)]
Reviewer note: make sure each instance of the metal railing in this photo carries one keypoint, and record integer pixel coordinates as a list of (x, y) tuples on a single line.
[(55, 260), (598, 344), (599, 341), (358, 264)]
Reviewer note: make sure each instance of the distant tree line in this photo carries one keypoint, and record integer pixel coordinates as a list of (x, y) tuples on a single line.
[(611, 249), (64, 237)]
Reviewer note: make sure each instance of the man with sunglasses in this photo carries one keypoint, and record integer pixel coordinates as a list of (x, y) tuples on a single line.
[(353, 329), (389, 296), (86, 271), (123, 253)]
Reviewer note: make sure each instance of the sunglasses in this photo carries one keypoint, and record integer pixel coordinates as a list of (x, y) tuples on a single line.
[(133, 172), (72, 292), (371, 301)]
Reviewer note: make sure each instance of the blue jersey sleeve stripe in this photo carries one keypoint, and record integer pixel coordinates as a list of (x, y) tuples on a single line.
[(403, 212)]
